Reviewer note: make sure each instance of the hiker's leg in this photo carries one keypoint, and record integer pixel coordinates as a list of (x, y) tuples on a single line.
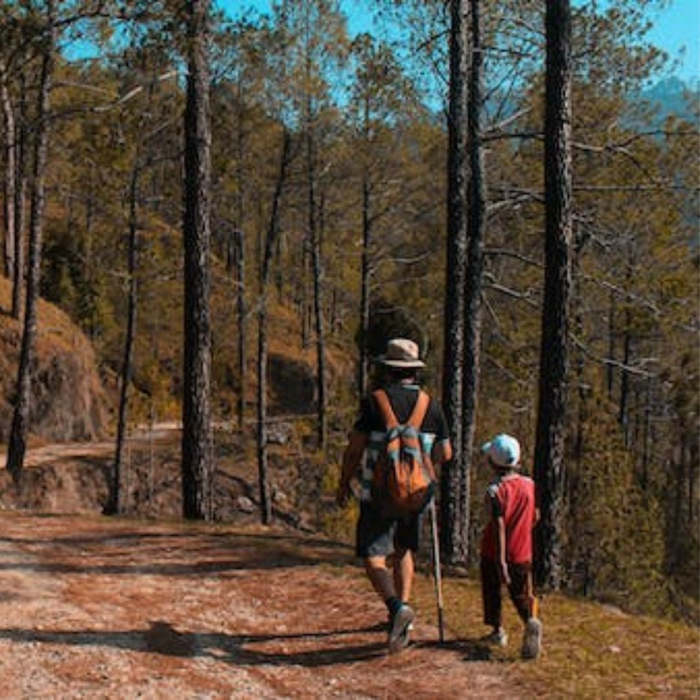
[(403, 573), (491, 592), (405, 544), (375, 541), (520, 590), (380, 577)]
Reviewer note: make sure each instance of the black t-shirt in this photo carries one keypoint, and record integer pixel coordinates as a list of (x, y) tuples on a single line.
[(403, 398)]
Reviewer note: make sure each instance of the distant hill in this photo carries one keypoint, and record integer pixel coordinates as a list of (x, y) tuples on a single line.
[(671, 96)]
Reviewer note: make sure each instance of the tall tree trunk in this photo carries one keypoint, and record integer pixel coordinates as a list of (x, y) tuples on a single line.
[(549, 447), (306, 306), (88, 247), (320, 344), (317, 273), (611, 344), (365, 279), (114, 503), (475, 261), (272, 233), (455, 532), (20, 419), (333, 316), (241, 312), (646, 434), (20, 197), (263, 479), (8, 113), (240, 264), (571, 478), (623, 414), (197, 449), (674, 547), (365, 272), (693, 450), (279, 268)]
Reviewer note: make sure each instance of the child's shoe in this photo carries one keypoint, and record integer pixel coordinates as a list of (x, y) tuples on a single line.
[(497, 638), (532, 640)]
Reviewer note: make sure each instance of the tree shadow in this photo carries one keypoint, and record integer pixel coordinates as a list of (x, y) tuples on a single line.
[(162, 638), (129, 536), (471, 649), (196, 554)]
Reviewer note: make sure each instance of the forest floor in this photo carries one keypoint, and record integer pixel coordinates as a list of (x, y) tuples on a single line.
[(96, 607), (93, 607)]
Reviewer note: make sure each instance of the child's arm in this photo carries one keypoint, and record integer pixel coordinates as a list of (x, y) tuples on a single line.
[(501, 540)]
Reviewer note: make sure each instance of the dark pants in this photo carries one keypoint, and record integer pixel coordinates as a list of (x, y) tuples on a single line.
[(520, 589)]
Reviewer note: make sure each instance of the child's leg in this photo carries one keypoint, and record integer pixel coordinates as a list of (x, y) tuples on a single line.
[(521, 590), (491, 592), (522, 595)]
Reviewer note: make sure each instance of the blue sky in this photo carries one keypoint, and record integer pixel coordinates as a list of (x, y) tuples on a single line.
[(677, 26)]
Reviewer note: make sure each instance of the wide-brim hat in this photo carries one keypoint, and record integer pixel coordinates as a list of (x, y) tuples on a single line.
[(503, 450), (401, 352)]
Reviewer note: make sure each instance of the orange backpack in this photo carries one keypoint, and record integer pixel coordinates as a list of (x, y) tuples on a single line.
[(404, 479)]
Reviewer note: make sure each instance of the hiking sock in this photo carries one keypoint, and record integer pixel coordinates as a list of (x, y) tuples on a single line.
[(393, 605)]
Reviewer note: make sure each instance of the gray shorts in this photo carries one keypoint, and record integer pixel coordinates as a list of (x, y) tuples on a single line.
[(379, 536)]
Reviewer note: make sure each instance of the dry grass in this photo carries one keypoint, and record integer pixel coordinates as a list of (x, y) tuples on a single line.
[(589, 650), (56, 332), (69, 401)]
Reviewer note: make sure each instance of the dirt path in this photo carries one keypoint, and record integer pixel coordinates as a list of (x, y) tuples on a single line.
[(98, 608), (36, 456)]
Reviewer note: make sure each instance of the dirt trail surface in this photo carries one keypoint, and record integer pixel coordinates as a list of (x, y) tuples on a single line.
[(161, 432), (101, 608)]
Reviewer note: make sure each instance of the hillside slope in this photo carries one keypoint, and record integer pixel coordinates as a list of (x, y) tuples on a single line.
[(68, 399), (93, 607)]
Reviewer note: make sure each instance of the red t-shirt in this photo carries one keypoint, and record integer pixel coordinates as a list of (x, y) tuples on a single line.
[(513, 497)]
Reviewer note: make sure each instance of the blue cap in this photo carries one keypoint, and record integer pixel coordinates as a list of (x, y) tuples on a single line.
[(503, 450)]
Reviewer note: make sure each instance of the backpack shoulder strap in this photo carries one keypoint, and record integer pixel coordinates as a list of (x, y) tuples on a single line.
[(385, 409), (415, 420)]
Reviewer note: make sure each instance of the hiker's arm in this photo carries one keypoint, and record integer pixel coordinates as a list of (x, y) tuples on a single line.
[(501, 542), (351, 461), (442, 451)]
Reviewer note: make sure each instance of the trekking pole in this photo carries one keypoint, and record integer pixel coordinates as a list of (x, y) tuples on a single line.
[(436, 569)]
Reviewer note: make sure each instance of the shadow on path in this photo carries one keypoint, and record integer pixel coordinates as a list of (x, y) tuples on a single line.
[(162, 638), (203, 554)]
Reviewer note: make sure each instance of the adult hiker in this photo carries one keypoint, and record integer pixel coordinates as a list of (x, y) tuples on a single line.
[(395, 416), (506, 546)]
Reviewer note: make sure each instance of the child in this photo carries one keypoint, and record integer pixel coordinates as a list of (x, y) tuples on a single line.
[(506, 547)]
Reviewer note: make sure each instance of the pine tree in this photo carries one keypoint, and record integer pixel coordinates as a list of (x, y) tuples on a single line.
[(551, 411), (455, 526), (197, 449), (20, 419)]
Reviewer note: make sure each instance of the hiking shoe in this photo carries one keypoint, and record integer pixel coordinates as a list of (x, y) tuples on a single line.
[(398, 632), (406, 635), (532, 641), (498, 638)]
